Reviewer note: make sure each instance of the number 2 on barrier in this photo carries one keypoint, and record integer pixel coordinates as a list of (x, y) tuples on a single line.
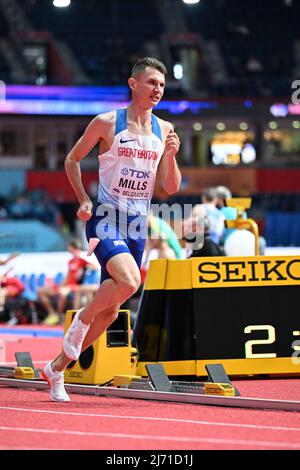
[(249, 344)]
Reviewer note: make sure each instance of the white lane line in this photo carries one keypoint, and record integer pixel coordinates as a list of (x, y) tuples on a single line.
[(240, 442), (149, 418)]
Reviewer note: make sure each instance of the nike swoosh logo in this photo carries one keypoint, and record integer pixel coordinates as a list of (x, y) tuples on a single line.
[(124, 141)]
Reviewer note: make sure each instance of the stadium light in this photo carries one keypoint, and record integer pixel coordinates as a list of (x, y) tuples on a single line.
[(61, 3), (191, 2), (273, 125), (221, 126), (178, 71), (197, 126)]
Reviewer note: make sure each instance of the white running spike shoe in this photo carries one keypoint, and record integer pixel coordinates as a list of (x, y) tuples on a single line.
[(74, 337), (55, 380)]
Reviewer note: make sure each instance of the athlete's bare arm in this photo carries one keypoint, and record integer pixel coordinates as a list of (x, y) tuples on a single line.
[(168, 171), (99, 130)]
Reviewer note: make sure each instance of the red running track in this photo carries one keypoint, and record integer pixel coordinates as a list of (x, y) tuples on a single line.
[(28, 420)]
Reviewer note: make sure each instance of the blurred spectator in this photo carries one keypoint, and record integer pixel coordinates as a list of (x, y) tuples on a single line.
[(157, 248), (222, 193), (11, 289), (253, 65), (76, 270), (214, 215), (206, 247), (230, 213), (45, 210), (21, 208), (3, 212), (35, 205), (159, 228), (205, 220)]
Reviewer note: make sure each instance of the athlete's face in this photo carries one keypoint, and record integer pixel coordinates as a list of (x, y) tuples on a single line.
[(148, 87)]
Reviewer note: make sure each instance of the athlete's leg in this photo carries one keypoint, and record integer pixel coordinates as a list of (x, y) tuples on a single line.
[(121, 281), (124, 282), (98, 326), (111, 293)]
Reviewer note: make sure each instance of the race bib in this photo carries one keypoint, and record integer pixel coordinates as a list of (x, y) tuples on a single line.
[(132, 182)]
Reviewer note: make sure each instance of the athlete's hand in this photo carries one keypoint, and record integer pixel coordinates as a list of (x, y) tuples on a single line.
[(172, 143), (85, 210)]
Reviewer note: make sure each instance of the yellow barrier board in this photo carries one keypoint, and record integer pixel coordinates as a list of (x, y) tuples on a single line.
[(245, 271), (204, 312)]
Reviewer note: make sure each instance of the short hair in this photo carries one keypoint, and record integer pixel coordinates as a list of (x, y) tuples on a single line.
[(223, 192), (75, 243), (210, 194), (142, 64)]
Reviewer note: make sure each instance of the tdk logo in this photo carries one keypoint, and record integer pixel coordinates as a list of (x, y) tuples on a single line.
[(139, 174)]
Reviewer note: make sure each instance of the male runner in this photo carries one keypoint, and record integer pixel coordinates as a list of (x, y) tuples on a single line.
[(134, 145)]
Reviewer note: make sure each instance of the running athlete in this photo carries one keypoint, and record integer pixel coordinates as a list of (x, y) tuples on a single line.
[(134, 146)]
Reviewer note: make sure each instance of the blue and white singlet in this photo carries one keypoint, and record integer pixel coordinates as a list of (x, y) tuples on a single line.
[(126, 181), (128, 169)]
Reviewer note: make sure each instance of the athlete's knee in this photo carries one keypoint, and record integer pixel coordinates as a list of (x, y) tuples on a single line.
[(128, 288), (129, 284)]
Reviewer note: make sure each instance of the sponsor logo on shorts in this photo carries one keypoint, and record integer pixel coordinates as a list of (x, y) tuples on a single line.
[(119, 243)]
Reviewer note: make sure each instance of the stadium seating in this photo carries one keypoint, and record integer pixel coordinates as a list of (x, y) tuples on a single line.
[(243, 31), (4, 67), (103, 35)]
